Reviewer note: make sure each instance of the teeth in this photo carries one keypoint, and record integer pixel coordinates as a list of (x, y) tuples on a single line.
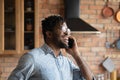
[(66, 40)]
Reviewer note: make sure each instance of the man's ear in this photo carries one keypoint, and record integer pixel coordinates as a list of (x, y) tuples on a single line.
[(48, 34)]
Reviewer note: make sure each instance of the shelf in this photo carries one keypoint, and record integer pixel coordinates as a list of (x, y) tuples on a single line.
[(112, 28), (29, 31), (9, 31), (112, 55), (29, 11)]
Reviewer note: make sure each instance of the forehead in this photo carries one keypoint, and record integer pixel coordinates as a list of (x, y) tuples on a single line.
[(63, 25)]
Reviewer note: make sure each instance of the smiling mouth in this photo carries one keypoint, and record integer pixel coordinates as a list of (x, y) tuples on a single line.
[(66, 41)]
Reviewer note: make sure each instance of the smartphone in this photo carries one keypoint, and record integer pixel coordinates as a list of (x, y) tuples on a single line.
[(70, 43)]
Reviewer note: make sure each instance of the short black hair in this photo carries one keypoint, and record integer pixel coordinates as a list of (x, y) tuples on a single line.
[(49, 23)]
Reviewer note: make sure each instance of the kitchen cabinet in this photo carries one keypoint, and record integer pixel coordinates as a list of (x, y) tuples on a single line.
[(19, 26)]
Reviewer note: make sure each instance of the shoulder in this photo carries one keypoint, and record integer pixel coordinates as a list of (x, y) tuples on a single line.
[(31, 54), (36, 52)]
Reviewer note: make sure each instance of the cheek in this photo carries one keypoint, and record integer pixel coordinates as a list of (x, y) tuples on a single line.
[(58, 37), (55, 37), (57, 33)]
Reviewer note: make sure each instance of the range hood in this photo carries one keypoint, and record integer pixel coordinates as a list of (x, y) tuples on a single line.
[(74, 22)]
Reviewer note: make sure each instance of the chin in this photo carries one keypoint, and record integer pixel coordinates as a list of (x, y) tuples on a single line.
[(64, 46)]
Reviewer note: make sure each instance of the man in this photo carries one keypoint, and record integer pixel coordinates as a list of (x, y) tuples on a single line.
[(48, 62)]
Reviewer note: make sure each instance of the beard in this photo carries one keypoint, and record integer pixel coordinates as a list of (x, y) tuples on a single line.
[(62, 45), (59, 43)]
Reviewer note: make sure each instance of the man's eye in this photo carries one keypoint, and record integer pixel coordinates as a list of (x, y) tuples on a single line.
[(64, 29)]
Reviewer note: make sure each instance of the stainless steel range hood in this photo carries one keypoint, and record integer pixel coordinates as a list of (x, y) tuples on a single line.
[(74, 22)]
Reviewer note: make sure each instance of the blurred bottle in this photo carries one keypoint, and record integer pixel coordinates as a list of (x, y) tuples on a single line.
[(29, 6), (113, 75), (29, 26)]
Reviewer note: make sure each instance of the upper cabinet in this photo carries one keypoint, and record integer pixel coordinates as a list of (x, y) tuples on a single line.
[(19, 26)]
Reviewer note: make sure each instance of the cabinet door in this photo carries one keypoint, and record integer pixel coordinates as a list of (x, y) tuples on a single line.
[(30, 22), (9, 26), (19, 26)]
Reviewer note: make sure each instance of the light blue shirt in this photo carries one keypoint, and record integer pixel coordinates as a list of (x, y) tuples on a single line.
[(42, 64)]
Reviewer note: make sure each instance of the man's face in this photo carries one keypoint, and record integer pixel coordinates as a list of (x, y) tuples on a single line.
[(61, 35)]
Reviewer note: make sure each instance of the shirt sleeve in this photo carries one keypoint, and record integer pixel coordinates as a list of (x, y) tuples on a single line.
[(24, 68), (77, 75)]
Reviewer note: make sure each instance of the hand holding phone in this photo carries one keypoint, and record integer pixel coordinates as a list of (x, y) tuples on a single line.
[(70, 43), (72, 48)]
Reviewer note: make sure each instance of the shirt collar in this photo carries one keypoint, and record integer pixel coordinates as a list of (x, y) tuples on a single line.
[(48, 50)]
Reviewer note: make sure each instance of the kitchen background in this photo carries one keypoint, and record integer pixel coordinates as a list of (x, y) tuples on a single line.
[(91, 46)]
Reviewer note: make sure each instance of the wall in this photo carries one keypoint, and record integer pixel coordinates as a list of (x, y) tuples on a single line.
[(91, 46)]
